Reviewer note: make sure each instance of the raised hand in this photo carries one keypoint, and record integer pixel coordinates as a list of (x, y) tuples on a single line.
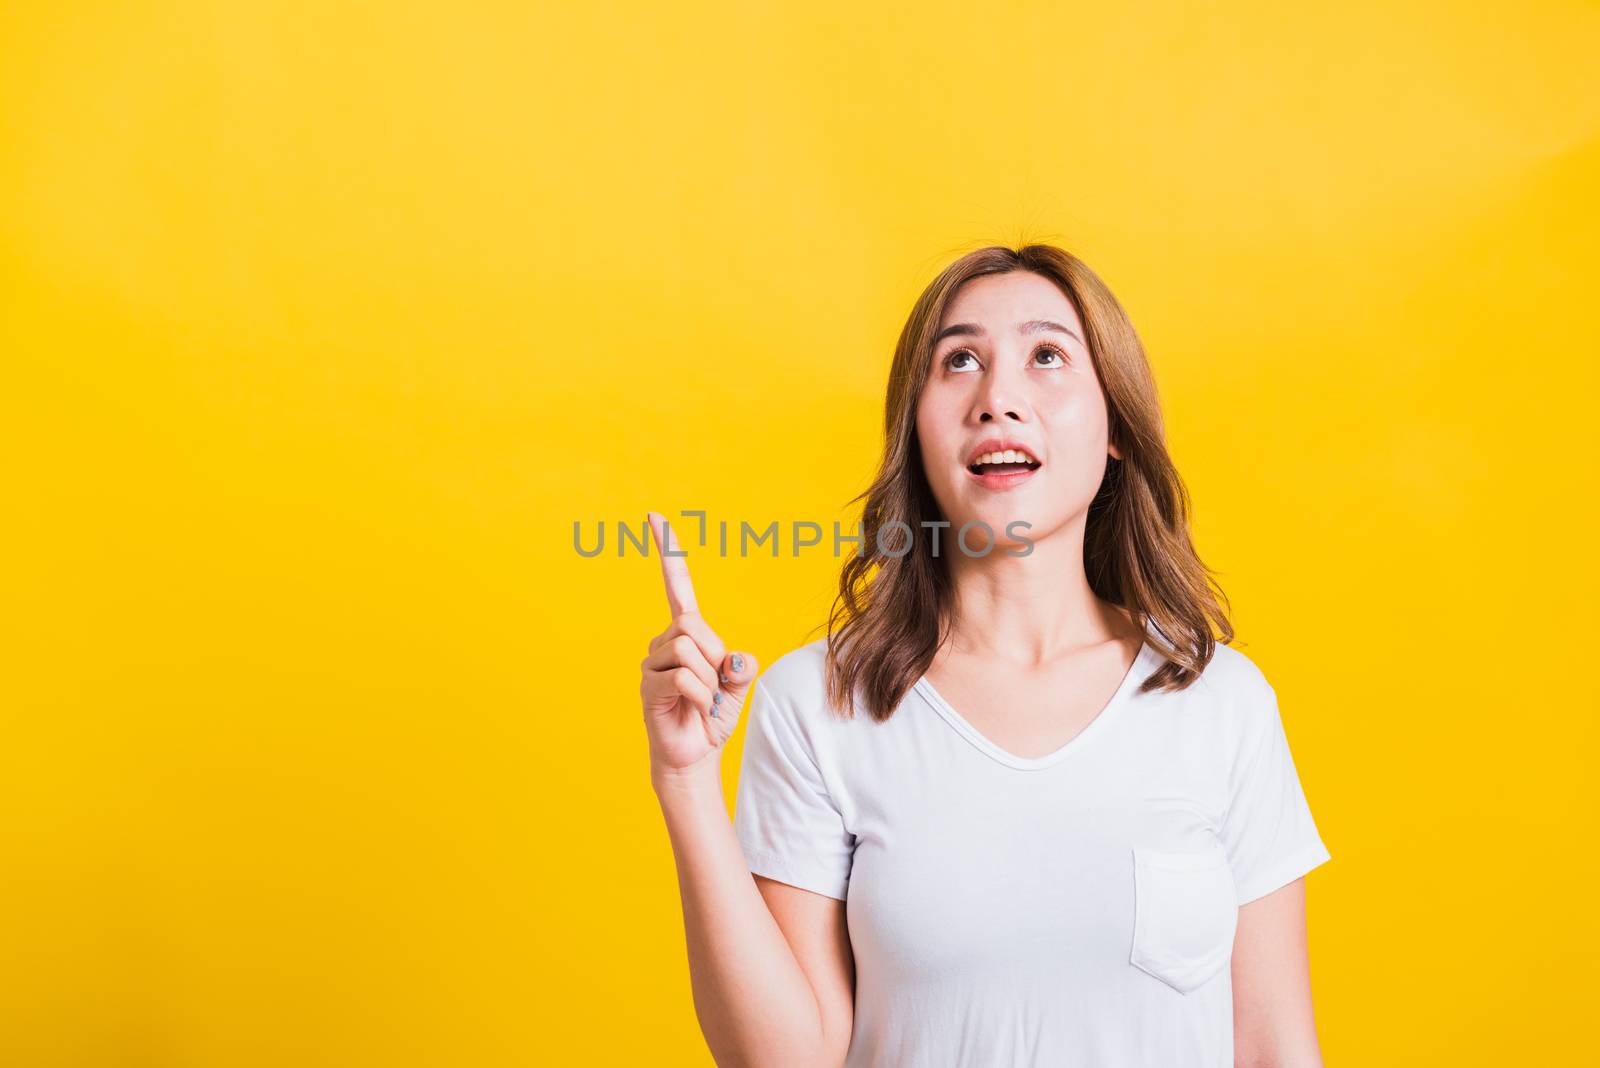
[(692, 687)]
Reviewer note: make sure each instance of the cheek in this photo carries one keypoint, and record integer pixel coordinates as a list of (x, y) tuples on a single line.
[(1075, 431), (1074, 417), (938, 433)]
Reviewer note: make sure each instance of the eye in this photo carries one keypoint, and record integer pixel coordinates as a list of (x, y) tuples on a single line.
[(951, 358), (1047, 350)]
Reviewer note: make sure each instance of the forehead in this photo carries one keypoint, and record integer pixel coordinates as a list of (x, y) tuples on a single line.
[(998, 301)]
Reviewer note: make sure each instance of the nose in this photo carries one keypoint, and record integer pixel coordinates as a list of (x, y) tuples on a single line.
[(1000, 399), (1008, 414)]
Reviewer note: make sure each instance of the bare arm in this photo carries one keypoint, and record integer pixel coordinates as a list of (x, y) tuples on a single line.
[(769, 965), (1273, 1026)]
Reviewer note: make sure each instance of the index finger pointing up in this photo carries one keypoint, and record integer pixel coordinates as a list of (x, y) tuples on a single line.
[(674, 569)]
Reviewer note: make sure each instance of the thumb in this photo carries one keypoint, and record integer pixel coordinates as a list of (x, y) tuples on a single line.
[(737, 672)]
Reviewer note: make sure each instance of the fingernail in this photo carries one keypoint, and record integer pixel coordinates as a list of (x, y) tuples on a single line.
[(725, 679), (738, 663)]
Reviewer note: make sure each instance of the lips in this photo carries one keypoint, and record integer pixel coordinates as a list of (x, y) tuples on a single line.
[(1002, 453), (1001, 463)]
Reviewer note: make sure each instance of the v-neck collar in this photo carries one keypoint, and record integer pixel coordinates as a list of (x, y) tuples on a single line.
[(1143, 664)]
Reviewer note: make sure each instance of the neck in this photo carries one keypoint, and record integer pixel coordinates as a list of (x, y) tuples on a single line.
[(1030, 610)]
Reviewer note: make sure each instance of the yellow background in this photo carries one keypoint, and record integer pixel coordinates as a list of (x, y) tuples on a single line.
[(323, 323)]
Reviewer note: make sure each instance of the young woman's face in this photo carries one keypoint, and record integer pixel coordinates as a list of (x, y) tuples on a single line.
[(1010, 368)]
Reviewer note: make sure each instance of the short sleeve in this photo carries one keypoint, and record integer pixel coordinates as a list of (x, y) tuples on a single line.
[(1270, 836), (788, 826)]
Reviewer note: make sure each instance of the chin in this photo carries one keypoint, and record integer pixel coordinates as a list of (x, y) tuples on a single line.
[(996, 520)]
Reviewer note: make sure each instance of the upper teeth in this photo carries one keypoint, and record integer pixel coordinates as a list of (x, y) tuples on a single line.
[(1010, 456)]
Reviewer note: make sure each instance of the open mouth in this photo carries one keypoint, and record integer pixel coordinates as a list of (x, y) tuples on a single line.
[(1003, 463)]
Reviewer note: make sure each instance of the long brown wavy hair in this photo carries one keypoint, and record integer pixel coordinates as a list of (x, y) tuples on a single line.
[(892, 612)]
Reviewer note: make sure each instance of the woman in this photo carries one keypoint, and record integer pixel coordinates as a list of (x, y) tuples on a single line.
[(1020, 807)]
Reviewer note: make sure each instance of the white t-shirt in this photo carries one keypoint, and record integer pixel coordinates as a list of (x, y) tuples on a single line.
[(1074, 909)]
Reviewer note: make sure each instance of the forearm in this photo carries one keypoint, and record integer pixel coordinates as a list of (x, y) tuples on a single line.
[(754, 1003)]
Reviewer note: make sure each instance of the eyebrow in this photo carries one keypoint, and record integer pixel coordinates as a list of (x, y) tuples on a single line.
[(1032, 326)]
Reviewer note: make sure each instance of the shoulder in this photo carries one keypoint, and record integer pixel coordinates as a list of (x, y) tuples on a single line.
[(1241, 692), (798, 673), (794, 686), (1233, 676)]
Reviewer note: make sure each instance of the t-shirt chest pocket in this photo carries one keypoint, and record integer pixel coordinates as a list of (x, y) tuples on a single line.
[(1185, 914)]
